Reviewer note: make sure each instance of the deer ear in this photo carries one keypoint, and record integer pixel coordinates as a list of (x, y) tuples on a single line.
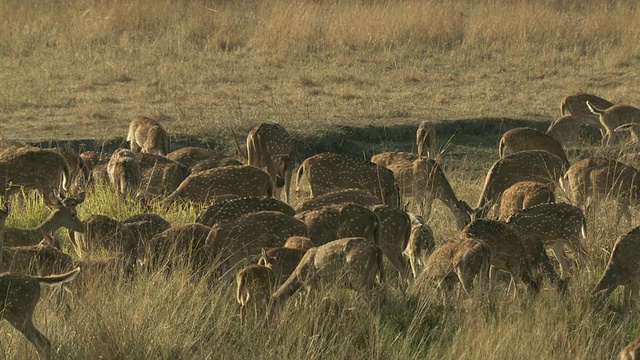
[(47, 240), (52, 202)]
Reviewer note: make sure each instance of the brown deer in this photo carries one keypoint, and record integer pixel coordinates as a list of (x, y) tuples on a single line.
[(159, 175), (523, 139), (148, 134), (594, 178), (282, 260), (183, 245), (533, 165), (522, 195), (79, 172), (41, 259), (222, 183), (254, 286), (355, 196), (20, 294), (623, 269), (564, 129), (235, 208), (421, 244), (631, 351), (395, 231), (426, 140), (576, 105), (328, 172), (270, 147), (189, 156), (214, 163), (124, 172), (299, 243), (30, 168), (356, 260), (615, 116), (424, 179), (334, 222), (97, 163), (145, 226), (63, 214)]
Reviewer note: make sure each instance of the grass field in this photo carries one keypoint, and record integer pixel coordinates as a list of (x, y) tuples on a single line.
[(80, 69)]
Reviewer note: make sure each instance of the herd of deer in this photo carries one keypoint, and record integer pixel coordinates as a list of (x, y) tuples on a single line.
[(353, 218)]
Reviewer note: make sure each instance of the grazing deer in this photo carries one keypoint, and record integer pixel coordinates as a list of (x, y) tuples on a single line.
[(20, 295), (623, 269), (31, 168), (63, 214), (593, 178), (424, 179), (355, 196), (189, 156), (282, 260), (524, 139), (395, 231), (356, 261), (222, 183), (631, 351), (159, 175), (233, 240), (533, 165), (145, 226), (124, 172), (254, 286), (97, 163), (522, 195), (149, 135), (41, 259), (328, 172), (299, 243), (556, 225), (426, 140), (214, 163), (334, 222), (576, 105), (183, 245), (615, 116), (564, 129), (79, 172), (270, 147), (235, 208), (421, 244)]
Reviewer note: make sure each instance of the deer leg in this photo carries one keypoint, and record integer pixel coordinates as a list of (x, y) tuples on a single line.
[(558, 251), (24, 324)]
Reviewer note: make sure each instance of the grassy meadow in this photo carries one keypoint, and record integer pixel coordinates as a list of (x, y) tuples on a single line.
[(81, 69)]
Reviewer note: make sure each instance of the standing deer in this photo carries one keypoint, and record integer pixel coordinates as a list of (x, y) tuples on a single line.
[(328, 172), (190, 156), (576, 105), (564, 129), (270, 147), (426, 140), (424, 179), (124, 172), (615, 116), (421, 244), (355, 196), (334, 222), (235, 208), (395, 233), (184, 245), (522, 195), (31, 168), (254, 286), (149, 135), (20, 295), (523, 139), (159, 175), (41, 259), (145, 226)]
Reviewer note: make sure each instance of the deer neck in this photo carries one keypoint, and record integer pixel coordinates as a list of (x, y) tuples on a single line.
[(49, 225)]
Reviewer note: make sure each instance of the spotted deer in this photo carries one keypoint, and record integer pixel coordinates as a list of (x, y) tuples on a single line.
[(159, 175), (523, 139), (594, 178), (299, 243), (96, 163), (424, 179), (328, 172), (270, 147), (222, 183), (334, 222), (623, 269), (79, 172), (41, 259), (421, 244), (426, 140), (532, 165), (235, 208), (124, 172), (557, 225), (214, 163), (148, 134), (615, 116), (183, 245), (189, 156), (522, 195), (631, 351), (145, 226), (20, 295), (254, 286), (282, 260), (576, 105), (356, 261), (564, 129), (63, 214), (355, 196), (30, 168)]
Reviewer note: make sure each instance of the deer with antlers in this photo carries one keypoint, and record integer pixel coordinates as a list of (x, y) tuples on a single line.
[(148, 134)]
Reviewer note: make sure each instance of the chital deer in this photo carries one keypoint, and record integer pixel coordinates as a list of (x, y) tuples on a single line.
[(522, 195), (328, 172), (631, 351), (424, 179), (564, 129), (20, 295), (183, 245), (189, 156), (124, 172), (334, 222), (355, 196), (235, 208), (556, 225), (63, 214), (41, 259), (214, 163), (615, 116), (594, 178), (533, 165), (254, 286), (524, 139), (357, 261), (282, 260), (145, 226), (270, 147), (395, 231), (576, 105), (223, 183), (426, 140), (97, 163), (421, 244), (148, 134), (79, 172), (623, 269), (32, 168), (159, 175), (299, 243), (233, 240)]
